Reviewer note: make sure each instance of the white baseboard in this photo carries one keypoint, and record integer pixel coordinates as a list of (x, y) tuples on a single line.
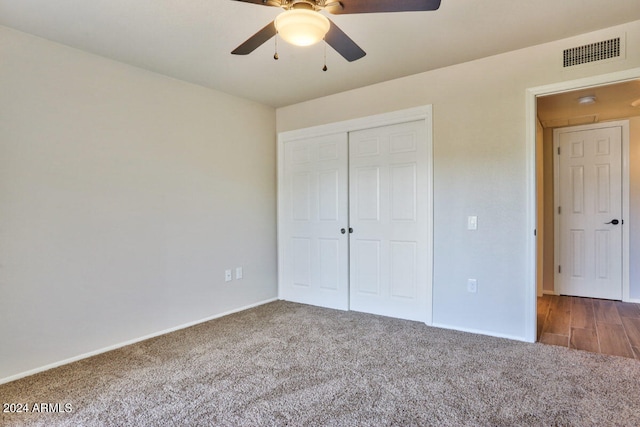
[(633, 300), (480, 332), (129, 342)]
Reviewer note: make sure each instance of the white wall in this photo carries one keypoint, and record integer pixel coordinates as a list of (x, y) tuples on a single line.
[(634, 208), (541, 231), (123, 197), (480, 168)]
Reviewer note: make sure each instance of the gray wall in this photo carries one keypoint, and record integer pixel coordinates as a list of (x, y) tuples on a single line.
[(124, 195)]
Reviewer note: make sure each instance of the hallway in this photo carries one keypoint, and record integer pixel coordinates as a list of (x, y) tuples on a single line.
[(599, 326)]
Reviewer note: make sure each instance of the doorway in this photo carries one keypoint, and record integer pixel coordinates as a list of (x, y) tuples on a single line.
[(540, 128)]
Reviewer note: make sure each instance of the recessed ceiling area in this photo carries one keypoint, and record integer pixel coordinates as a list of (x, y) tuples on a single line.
[(612, 102)]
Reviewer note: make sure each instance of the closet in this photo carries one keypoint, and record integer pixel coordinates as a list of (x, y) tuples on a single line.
[(355, 215)]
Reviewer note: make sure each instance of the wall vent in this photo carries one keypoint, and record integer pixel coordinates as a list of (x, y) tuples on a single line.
[(599, 51)]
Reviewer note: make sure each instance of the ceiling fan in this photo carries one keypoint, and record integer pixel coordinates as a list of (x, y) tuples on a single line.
[(302, 24)]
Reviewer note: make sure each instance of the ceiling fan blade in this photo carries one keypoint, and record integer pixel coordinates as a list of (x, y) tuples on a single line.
[(256, 40), (377, 6), (275, 3), (337, 39)]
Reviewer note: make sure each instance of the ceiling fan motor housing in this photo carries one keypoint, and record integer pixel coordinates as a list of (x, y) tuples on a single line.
[(300, 4), (303, 4)]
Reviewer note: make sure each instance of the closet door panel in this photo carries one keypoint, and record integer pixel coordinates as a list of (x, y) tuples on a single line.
[(388, 210), (314, 202)]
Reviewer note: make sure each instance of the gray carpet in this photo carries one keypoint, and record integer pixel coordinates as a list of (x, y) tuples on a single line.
[(295, 365)]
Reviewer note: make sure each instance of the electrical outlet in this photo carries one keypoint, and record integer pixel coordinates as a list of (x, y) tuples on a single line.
[(472, 285), (238, 272), (227, 276)]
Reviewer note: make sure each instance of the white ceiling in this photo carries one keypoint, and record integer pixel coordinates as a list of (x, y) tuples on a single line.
[(191, 40)]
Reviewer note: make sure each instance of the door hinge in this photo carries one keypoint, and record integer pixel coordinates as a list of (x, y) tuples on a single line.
[(558, 151), (559, 269), (559, 210), (535, 232)]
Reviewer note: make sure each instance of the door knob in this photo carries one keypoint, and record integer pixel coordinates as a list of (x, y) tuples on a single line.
[(613, 221), (350, 230), (342, 230)]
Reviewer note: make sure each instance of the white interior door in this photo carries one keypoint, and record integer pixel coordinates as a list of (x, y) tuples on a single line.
[(388, 192), (314, 268), (589, 212)]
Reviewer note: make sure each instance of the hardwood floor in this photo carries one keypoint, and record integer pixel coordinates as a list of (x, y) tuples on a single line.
[(599, 326)]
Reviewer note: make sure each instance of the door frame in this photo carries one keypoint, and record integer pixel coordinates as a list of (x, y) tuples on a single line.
[(424, 113), (530, 122), (624, 125)]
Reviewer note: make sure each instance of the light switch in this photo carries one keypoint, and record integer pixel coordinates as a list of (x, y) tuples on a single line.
[(472, 222), (238, 272)]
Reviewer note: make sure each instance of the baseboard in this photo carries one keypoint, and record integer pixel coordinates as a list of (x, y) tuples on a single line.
[(633, 300), (129, 342), (545, 292), (480, 332)]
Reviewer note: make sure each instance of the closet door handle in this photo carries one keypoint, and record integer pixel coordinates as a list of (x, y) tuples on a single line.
[(342, 230), (613, 221), (350, 230)]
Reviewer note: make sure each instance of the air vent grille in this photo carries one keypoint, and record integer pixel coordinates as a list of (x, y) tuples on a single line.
[(592, 52)]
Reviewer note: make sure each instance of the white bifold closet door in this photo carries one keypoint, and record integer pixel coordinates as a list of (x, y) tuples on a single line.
[(388, 215), (354, 223), (315, 264)]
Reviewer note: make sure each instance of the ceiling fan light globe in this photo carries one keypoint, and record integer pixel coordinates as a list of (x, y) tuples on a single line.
[(302, 27)]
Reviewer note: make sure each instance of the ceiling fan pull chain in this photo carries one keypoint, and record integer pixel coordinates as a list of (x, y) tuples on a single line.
[(325, 55), (275, 55)]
